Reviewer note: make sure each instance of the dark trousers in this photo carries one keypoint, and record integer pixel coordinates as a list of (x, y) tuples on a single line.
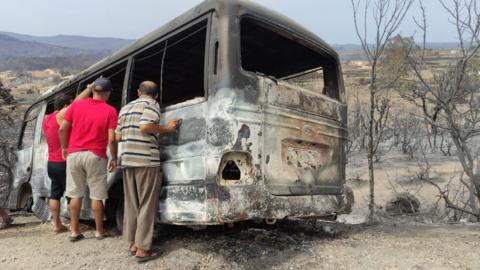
[(141, 187), (57, 171)]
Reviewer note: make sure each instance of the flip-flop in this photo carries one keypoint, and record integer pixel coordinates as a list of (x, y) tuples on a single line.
[(102, 236), (131, 252), (76, 238), (6, 224), (151, 255)]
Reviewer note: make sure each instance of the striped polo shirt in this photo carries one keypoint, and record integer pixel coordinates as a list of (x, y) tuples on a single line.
[(138, 149)]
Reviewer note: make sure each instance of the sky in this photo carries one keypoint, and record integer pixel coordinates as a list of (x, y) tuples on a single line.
[(332, 20)]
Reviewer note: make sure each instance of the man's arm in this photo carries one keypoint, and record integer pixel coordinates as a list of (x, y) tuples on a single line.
[(155, 129), (113, 146), (64, 135), (60, 115), (85, 93)]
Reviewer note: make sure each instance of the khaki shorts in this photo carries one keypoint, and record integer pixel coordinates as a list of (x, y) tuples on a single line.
[(85, 168)]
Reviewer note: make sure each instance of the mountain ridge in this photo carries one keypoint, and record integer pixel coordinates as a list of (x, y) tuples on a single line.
[(99, 44), (21, 55), (26, 52)]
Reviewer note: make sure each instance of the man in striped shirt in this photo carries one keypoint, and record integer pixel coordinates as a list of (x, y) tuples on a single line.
[(138, 125)]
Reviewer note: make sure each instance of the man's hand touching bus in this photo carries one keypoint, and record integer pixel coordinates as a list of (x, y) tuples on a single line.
[(155, 129)]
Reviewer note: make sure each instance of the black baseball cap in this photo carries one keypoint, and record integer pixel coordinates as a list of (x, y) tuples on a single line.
[(102, 84)]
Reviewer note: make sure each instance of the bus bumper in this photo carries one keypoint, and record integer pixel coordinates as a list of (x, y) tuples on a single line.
[(234, 204)]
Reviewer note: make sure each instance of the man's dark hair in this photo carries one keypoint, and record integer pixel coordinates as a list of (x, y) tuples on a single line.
[(61, 101), (149, 88)]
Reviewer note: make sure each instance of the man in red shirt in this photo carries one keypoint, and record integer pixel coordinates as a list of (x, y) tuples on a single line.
[(56, 167), (88, 128)]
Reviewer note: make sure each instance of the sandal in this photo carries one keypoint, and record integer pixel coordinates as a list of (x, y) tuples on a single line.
[(61, 230), (151, 255), (75, 238)]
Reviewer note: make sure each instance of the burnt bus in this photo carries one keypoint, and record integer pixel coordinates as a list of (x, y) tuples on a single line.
[(264, 119)]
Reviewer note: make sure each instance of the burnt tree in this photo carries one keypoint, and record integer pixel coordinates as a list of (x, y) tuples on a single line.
[(387, 15), (450, 100)]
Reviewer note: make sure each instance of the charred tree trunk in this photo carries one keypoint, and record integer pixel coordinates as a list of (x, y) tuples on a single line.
[(371, 148)]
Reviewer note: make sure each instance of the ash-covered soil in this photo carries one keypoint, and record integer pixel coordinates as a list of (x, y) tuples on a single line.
[(286, 245)]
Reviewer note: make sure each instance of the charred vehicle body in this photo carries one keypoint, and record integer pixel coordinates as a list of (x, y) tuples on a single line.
[(264, 119)]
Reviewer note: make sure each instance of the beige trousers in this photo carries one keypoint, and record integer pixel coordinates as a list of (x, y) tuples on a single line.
[(141, 187)]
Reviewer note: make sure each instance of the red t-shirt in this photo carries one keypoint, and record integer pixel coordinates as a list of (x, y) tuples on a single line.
[(50, 129), (91, 119)]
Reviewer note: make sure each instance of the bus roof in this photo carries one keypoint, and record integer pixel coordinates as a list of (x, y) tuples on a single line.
[(238, 6)]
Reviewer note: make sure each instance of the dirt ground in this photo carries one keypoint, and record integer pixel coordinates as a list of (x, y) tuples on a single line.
[(407, 242), (288, 245)]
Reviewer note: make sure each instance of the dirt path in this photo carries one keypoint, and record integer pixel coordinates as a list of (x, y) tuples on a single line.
[(290, 245)]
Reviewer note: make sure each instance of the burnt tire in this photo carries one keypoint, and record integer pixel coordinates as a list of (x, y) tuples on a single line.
[(118, 219), (25, 200), (114, 207)]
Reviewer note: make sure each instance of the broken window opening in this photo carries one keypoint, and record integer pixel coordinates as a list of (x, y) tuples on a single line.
[(70, 92), (50, 108), (176, 65), (28, 128), (231, 171), (116, 75), (274, 52)]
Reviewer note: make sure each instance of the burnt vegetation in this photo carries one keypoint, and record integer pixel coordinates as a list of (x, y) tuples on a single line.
[(420, 105), (7, 155)]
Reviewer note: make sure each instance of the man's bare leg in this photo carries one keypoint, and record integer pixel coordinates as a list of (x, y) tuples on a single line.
[(55, 210), (98, 213), (75, 206), (133, 248)]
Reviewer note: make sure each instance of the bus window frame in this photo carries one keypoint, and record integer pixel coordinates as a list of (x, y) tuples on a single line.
[(207, 58), (94, 75)]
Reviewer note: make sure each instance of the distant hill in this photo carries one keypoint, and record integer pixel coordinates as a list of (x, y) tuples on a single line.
[(443, 45), (354, 52), (11, 47), (98, 44), (430, 45)]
